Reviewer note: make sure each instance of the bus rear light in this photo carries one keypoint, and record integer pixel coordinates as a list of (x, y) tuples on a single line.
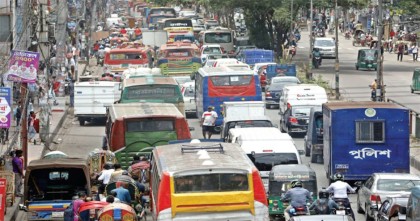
[(259, 189), (267, 94)]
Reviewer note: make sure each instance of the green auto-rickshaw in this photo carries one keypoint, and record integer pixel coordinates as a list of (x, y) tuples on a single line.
[(415, 82), (279, 182), (367, 59)]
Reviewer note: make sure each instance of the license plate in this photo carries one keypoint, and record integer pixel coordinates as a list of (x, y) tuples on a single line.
[(340, 212), (57, 214), (369, 65)]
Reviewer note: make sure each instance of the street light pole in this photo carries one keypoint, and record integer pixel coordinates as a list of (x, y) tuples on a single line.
[(337, 65), (309, 76), (379, 74)]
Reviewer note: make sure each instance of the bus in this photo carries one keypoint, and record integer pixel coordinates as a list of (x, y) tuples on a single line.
[(130, 128), (156, 19), (179, 58), (160, 11), (221, 36), (137, 10), (205, 181), (153, 89), (178, 26), (119, 59), (215, 85)]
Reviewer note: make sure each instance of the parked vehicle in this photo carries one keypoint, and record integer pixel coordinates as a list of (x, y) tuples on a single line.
[(274, 90), (413, 205), (415, 82), (280, 178), (314, 139), (374, 190), (393, 207), (367, 59), (377, 134), (50, 185), (91, 99)]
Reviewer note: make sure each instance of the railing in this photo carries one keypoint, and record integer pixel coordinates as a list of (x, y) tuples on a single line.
[(414, 119)]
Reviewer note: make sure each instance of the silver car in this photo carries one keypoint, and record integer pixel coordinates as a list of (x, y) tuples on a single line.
[(326, 47), (379, 185)]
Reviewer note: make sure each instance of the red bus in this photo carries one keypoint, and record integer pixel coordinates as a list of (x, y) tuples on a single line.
[(119, 59)]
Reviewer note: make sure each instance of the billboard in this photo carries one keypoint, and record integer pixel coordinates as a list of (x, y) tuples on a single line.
[(23, 66), (5, 107)]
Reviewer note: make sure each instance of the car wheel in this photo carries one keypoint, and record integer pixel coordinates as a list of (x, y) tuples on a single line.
[(357, 67), (82, 122), (367, 217), (359, 208)]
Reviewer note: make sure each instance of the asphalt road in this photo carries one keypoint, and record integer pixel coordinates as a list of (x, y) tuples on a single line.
[(78, 141)]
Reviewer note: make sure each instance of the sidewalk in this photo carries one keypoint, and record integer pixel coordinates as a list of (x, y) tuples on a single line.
[(35, 152)]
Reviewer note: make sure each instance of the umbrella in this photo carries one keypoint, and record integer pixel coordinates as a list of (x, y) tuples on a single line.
[(55, 154)]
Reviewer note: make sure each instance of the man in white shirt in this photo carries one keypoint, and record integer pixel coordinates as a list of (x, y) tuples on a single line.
[(105, 176), (208, 120), (339, 188)]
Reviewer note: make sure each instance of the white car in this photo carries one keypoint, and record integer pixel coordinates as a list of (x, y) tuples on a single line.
[(210, 59), (188, 92), (326, 47), (257, 66), (210, 49)]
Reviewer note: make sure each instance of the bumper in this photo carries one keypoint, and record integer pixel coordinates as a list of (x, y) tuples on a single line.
[(328, 54), (298, 128)]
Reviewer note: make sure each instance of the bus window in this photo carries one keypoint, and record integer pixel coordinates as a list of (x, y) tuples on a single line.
[(144, 92), (237, 80), (130, 56), (211, 183), (218, 38), (150, 125)]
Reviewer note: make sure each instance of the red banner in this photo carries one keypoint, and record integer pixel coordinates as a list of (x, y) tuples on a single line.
[(3, 196)]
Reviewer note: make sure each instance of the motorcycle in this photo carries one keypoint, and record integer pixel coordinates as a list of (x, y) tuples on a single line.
[(299, 211), (316, 61), (342, 209)]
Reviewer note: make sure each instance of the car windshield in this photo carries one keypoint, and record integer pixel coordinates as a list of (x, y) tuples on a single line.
[(249, 123), (189, 92), (212, 50), (285, 80), (324, 43), (396, 184)]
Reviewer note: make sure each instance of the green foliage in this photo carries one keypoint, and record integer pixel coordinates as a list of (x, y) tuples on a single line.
[(411, 7)]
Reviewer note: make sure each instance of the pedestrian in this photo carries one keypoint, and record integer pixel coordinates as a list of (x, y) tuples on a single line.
[(77, 203), (208, 121), (415, 51), (31, 128), (400, 51), (123, 194), (17, 164), (71, 92), (18, 114)]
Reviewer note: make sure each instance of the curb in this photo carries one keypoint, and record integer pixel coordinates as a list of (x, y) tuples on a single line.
[(56, 130)]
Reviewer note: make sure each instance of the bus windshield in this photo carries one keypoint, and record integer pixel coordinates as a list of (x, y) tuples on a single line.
[(217, 182), (149, 125), (265, 161), (233, 80), (218, 37), (179, 23), (145, 92), (162, 11), (127, 56)]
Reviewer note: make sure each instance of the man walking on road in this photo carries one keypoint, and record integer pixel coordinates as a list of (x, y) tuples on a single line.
[(17, 164), (208, 121), (400, 52)]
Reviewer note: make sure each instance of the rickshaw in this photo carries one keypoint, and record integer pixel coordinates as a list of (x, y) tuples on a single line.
[(280, 178), (117, 211), (97, 158), (358, 39), (367, 59), (132, 188), (91, 209), (415, 84)]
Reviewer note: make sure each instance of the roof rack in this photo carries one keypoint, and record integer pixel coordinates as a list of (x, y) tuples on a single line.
[(189, 148)]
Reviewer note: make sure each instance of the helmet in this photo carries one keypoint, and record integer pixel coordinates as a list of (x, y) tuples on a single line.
[(296, 183), (338, 176), (323, 194)]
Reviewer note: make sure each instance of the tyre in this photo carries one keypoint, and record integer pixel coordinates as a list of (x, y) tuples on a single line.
[(82, 122), (357, 67), (307, 151), (412, 91), (267, 106), (359, 208)]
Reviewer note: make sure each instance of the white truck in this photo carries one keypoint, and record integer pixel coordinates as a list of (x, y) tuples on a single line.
[(154, 38), (91, 99), (242, 115)]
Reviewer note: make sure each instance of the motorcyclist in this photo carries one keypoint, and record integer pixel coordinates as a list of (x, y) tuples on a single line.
[(373, 86), (297, 196), (316, 53), (323, 205), (339, 189)]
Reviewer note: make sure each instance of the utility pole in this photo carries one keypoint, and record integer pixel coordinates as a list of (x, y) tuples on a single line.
[(337, 64), (291, 20), (311, 40), (379, 74)]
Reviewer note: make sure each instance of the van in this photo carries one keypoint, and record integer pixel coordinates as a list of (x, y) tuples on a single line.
[(413, 205), (266, 147), (302, 94)]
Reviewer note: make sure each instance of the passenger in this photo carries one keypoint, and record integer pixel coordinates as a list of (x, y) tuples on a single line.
[(114, 195), (123, 194), (136, 159), (298, 197), (77, 203), (340, 188), (116, 174)]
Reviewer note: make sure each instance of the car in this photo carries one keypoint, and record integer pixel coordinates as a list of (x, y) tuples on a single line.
[(393, 206), (274, 91), (326, 47), (322, 217), (212, 58), (210, 49), (295, 119), (188, 92), (379, 185), (223, 61)]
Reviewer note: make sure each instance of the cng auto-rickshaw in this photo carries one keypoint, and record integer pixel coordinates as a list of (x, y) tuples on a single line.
[(367, 59), (415, 83), (280, 178)]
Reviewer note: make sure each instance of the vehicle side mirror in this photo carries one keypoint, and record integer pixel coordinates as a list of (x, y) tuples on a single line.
[(191, 128)]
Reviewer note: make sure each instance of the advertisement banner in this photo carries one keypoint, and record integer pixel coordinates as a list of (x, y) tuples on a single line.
[(5, 107), (2, 198), (23, 66)]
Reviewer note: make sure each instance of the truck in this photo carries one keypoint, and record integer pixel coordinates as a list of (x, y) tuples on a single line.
[(91, 99), (154, 38), (361, 138), (253, 56), (243, 114)]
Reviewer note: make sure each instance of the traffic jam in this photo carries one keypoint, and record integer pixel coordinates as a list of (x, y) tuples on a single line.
[(165, 67)]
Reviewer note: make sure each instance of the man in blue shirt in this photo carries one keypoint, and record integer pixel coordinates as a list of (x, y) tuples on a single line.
[(123, 194)]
